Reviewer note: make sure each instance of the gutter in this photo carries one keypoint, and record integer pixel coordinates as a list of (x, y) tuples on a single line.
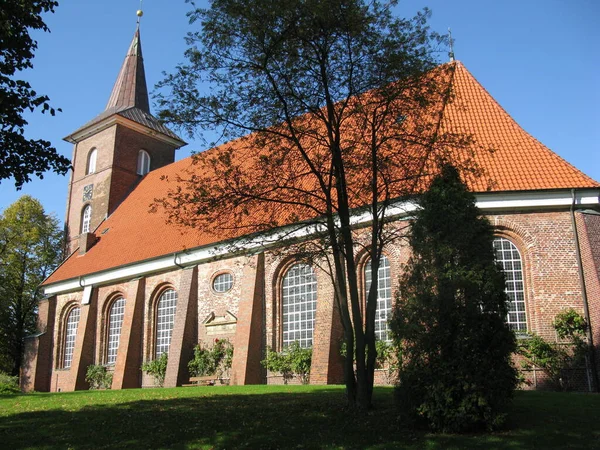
[(586, 307)]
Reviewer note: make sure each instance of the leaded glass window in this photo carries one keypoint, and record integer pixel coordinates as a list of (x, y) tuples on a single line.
[(223, 282), (384, 297), (299, 304), (70, 335), (165, 318), (115, 322), (86, 219), (143, 162), (510, 259)]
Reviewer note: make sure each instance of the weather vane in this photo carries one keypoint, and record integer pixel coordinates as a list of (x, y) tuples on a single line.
[(451, 41), (139, 13)]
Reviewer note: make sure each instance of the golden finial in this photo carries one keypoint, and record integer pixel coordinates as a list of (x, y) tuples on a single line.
[(139, 13)]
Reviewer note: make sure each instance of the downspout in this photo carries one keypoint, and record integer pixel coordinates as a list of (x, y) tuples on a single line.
[(586, 307), (175, 255)]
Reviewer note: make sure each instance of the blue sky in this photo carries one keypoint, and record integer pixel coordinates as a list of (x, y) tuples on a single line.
[(538, 58)]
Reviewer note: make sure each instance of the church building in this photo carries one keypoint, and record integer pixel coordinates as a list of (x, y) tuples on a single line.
[(134, 287)]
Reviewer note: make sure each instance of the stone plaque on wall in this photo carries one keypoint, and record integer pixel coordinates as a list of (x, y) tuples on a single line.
[(218, 325)]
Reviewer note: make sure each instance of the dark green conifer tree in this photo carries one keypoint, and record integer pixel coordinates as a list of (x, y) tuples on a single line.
[(450, 318)]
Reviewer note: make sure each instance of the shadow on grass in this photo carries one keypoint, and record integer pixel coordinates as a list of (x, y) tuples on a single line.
[(273, 420)]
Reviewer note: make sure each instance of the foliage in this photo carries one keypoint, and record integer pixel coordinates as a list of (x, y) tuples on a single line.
[(21, 157), (9, 384), (214, 361), (286, 417), (98, 377), (450, 317), (337, 115), (558, 360), (157, 368), (293, 360), (30, 248)]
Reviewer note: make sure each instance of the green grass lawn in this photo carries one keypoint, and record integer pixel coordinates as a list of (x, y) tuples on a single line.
[(272, 417)]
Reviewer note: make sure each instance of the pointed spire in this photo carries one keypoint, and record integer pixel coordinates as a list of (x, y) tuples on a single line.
[(451, 41), (130, 88)]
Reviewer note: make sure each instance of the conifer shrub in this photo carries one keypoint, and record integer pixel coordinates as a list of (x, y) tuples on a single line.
[(449, 323)]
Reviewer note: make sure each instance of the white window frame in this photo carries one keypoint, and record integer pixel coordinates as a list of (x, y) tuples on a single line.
[(384, 297), (143, 162), (166, 307), (511, 260), (71, 325), (116, 314), (223, 282), (298, 305), (86, 219), (91, 161)]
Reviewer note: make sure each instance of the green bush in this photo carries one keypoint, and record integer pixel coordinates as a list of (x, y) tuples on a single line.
[(214, 361), (98, 377), (558, 360), (292, 361), (157, 368), (9, 384)]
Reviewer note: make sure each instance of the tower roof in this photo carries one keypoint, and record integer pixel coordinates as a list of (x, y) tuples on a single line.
[(130, 89), (129, 97)]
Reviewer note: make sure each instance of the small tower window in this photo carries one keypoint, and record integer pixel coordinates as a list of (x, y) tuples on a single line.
[(143, 162), (86, 218), (91, 162)]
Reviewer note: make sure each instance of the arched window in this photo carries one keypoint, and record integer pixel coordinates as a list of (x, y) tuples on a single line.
[(165, 318), (143, 162), (115, 321), (70, 335), (384, 297), (510, 258), (86, 218), (91, 161), (299, 305)]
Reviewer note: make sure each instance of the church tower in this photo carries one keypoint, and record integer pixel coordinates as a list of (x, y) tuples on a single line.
[(114, 151)]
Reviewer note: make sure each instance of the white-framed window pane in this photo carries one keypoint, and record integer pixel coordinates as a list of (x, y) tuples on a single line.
[(86, 219), (384, 297), (91, 163), (509, 257), (70, 335), (115, 322), (143, 162), (165, 318), (299, 305), (223, 282)]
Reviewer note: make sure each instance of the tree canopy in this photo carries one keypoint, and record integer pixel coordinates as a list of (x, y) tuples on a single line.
[(30, 248), (454, 342), (21, 157), (336, 110)]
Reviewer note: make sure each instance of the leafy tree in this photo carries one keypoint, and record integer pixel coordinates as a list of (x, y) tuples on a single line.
[(338, 119), (450, 318), (30, 248), (21, 157)]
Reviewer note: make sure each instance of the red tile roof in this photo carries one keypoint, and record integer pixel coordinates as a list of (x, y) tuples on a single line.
[(519, 163)]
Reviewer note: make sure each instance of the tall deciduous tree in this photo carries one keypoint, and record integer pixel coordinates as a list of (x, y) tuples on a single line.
[(30, 248), (340, 115), (450, 318), (21, 157)]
